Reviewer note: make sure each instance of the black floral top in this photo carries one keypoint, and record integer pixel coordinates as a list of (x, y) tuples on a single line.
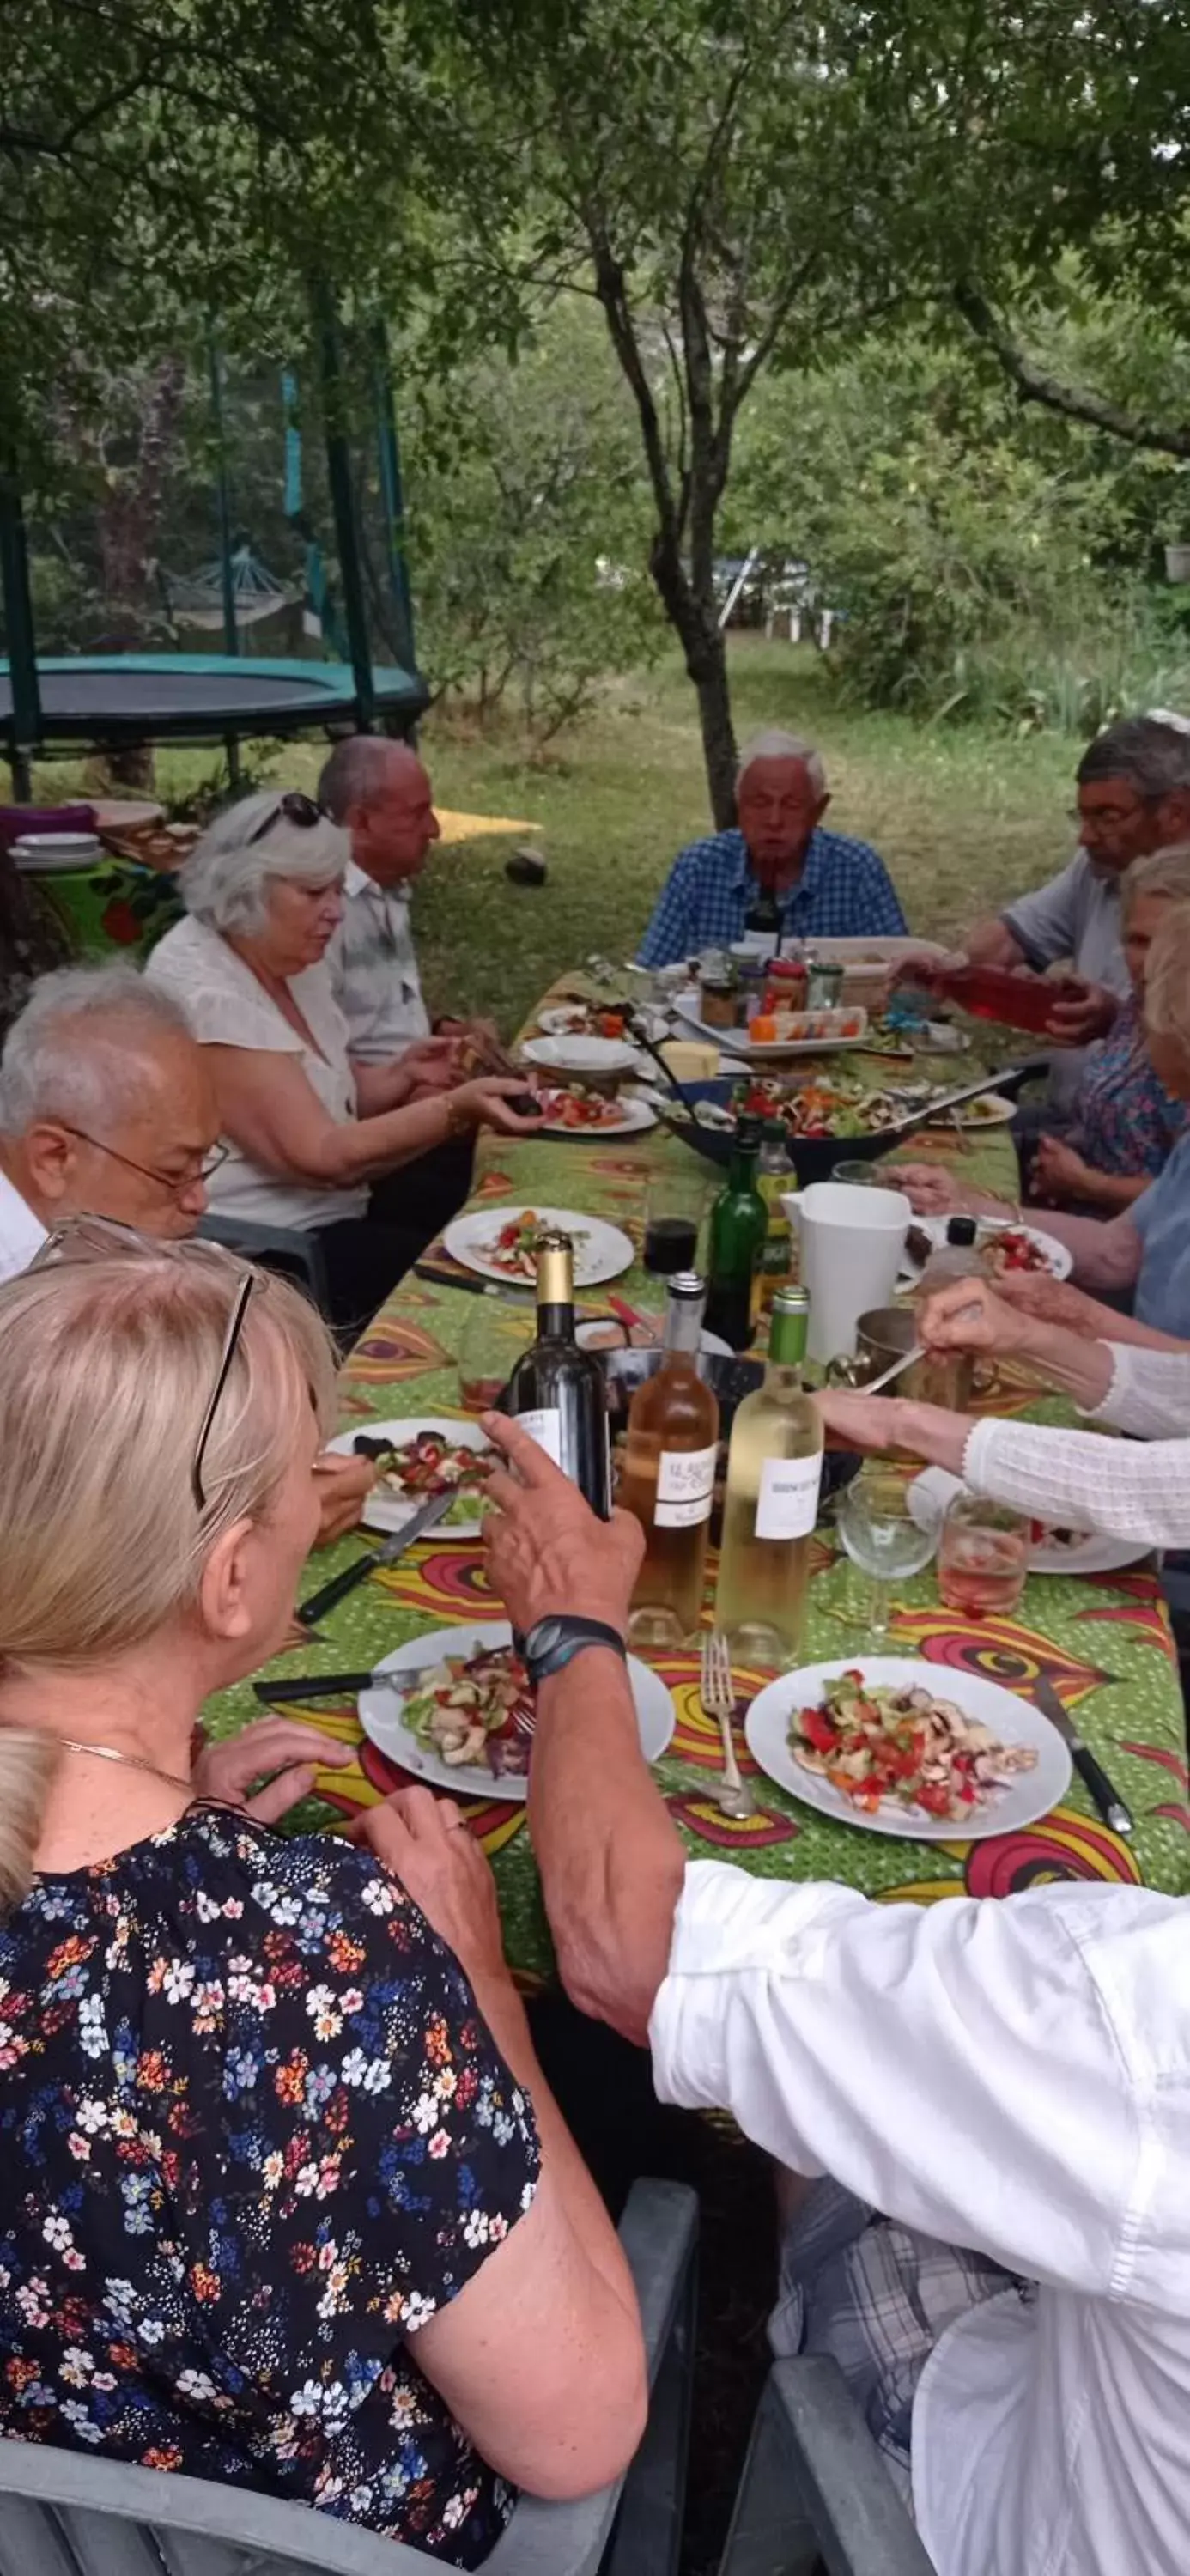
[(253, 2135)]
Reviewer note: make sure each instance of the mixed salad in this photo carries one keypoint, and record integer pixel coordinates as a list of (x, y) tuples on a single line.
[(414, 1470), (579, 1106), (1013, 1248), (902, 1746), (475, 1709), (513, 1251)]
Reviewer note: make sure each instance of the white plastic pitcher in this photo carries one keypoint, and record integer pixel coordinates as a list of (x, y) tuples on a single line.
[(851, 1246)]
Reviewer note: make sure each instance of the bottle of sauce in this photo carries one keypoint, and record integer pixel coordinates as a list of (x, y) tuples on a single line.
[(668, 1475), (774, 1176), (774, 1470), (738, 1226), (558, 1392)]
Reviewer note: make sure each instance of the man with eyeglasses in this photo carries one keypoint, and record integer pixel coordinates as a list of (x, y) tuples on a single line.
[(1133, 787), (107, 1109)]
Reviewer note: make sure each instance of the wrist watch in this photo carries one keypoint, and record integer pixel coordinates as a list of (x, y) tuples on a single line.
[(552, 1643)]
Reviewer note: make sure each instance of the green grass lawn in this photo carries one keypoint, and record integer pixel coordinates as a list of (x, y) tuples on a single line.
[(963, 818)]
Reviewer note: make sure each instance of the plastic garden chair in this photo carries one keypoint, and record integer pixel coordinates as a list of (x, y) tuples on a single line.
[(67, 2513), (815, 2492)]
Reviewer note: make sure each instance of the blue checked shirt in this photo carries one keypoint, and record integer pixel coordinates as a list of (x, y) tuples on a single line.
[(844, 892)]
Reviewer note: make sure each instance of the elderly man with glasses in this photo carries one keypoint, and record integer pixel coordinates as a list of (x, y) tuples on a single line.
[(1133, 790), (107, 1109), (824, 886)]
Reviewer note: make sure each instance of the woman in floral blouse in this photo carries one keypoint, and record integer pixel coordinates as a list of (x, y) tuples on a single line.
[(279, 2209)]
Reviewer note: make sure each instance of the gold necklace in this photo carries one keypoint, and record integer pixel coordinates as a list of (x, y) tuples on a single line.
[(134, 1761)]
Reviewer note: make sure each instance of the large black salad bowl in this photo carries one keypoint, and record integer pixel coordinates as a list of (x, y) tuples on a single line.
[(813, 1157)]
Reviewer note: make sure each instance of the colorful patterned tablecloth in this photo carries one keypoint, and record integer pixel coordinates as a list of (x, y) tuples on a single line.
[(1104, 1644)]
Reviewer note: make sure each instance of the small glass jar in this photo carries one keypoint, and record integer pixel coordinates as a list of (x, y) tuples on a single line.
[(824, 984), (717, 998)]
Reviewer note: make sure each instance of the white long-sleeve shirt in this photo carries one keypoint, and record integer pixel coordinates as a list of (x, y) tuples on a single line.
[(1077, 1480), (1012, 2075)]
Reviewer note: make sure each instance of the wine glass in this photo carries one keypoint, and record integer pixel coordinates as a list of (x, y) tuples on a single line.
[(884, 1538)]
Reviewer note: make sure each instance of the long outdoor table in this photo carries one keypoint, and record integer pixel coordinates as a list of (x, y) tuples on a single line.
[(1104, 1643)]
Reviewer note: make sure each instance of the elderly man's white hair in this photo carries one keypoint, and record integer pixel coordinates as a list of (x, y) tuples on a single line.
[(773, 744), (78, 1051), (225, 880)]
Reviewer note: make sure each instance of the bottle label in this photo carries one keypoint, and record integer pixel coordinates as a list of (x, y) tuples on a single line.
[(685, 1486), (544, 1425), (788, 1502)]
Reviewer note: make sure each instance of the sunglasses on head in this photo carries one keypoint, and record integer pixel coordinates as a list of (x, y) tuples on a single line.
[(305, 811)]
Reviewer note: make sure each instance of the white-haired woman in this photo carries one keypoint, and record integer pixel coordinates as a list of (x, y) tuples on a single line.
[(280, 2212), (308, 1129), (824, 886), (1146, 1248)]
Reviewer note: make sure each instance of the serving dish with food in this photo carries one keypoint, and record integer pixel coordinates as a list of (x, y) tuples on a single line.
[(457, 1711), (828, 1117), (501, 1243), (907, 1748), (581, 1020)]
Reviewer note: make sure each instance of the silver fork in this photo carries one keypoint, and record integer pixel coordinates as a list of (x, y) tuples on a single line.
[(718, 1699)]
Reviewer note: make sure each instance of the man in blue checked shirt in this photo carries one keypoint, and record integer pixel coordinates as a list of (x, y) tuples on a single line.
[(827, 886)]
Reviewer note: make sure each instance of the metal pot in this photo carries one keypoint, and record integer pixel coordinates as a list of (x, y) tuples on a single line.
[(881, 1336)]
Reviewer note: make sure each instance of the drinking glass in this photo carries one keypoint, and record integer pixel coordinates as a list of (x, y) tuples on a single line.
[(983, 1557), (498, 1328), (674, 1205), (884, 1538)]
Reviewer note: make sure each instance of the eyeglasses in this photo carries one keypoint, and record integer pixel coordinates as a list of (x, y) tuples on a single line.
[(95, 1237), (292, 808), (175, 1183)]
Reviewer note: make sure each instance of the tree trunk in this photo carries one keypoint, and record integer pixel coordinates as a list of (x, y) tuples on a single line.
[(706, 664)]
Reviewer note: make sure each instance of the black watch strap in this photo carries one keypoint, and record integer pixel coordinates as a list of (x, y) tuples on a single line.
[(551, 1643)]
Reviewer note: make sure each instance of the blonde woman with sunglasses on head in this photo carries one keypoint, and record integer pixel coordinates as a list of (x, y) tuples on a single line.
[(282, 2211)]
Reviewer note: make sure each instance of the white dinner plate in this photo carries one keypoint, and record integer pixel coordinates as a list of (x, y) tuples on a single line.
[(1030, 1795), (380, 1712), (581, 1055), (992, 1108), (601, 1251), (388, 1511), (633, 1118), (587, 1335), (1095, 1553), (1059, 1261)]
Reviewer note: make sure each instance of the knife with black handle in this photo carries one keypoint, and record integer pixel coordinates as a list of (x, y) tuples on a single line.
[(1094, 1778), (312, 1610)]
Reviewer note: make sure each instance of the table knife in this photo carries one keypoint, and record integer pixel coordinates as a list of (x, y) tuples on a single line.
[(1093, 1777), (311, 1611)]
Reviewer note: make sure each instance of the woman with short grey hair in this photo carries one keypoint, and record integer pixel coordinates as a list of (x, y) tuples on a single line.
[(307, 1129)]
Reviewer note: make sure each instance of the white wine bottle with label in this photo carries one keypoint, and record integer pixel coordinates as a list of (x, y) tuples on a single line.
[(557, 1392), (774, 1470), (668, 1476)]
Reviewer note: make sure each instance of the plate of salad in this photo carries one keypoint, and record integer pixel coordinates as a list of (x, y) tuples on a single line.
[(1003, 1249), (463, 1720), (501, 1243), (919, 1751), (417, 1457), (579, 1110)]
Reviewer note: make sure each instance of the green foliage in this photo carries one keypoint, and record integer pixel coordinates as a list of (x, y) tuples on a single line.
[(986, 560), (527, 533)]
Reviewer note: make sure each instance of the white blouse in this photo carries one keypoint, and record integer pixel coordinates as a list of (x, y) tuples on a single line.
[(227, 1007), (1138, 1488)]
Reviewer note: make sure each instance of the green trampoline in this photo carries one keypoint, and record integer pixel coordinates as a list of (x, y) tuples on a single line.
[(201, 697)]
